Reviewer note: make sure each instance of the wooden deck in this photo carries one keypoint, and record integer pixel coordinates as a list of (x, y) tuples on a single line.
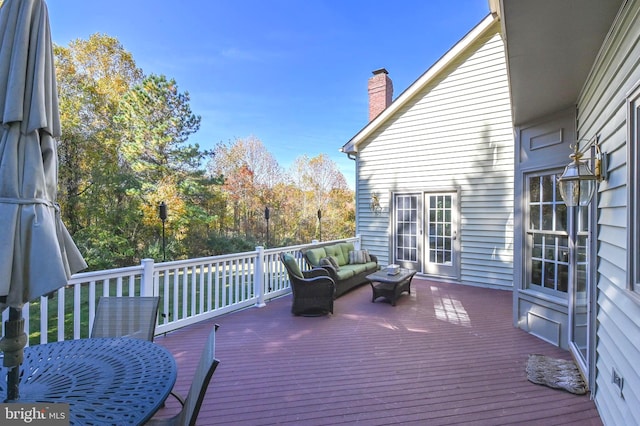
[(446, 354)]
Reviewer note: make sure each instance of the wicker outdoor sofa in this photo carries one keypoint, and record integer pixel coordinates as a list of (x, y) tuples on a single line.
[(346, 266)]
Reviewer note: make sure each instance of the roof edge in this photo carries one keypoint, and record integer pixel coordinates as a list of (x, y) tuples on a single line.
[(351, 146)]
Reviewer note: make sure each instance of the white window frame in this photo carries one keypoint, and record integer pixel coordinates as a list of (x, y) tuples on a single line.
[(633, 190), (559, 260)]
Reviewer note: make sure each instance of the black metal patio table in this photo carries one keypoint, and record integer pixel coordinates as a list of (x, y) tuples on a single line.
[(118, 381)]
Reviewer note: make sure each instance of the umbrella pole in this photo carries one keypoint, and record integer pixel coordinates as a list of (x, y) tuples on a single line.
[(12, 344)]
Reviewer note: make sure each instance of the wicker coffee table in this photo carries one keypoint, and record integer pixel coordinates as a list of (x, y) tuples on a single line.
[(390, 286)]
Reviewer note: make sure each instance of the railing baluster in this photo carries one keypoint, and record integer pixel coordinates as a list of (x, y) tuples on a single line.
[(185, 293), (132, 286), (236, 279), (168, 314), (105, 287), (25, 314), (193, 288), (61, 314), (77, 317), (119, 287), (44, 320), (210, 287), (92, 305), (176, 292), (216, 288)]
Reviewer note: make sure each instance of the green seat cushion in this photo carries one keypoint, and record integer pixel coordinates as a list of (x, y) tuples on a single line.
[(315, 254), (358, 267), (345, 273), (292, 265), (371, 265)]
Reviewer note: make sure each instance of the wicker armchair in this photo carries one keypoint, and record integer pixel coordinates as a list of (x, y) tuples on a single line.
[(313, 291)]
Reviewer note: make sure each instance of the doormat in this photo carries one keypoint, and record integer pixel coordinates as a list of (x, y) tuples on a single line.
[(555, 373)]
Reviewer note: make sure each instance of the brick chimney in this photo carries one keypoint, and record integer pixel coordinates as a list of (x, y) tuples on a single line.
[(380, 92)]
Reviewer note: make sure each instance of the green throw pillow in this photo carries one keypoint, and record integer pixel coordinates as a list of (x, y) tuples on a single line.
[(330, 261), (334, 262)]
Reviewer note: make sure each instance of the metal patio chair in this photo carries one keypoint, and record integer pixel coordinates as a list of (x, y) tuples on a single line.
[(126, 317), (193, 401)]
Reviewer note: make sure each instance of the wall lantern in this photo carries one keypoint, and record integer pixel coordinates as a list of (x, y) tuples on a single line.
[(374, 205), (578, 183)]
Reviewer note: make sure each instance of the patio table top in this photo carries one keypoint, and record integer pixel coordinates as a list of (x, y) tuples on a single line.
[(104, 380)]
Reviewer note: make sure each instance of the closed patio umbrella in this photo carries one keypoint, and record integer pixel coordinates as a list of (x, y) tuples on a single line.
[(37, 254)]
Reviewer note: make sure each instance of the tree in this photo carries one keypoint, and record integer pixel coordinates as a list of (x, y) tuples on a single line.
[(250, 175), (123, 149), (92, 76), (320, 182), (156, 121)]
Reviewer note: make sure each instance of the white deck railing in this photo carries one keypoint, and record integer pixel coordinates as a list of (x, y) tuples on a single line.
[(190, 291)]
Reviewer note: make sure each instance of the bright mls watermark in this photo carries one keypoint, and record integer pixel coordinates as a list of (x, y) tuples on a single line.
[(34, 414)]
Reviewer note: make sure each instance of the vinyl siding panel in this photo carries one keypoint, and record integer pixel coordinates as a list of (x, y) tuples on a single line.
[(602, 110), (455, 133)]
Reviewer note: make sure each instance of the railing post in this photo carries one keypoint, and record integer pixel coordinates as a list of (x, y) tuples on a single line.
[(258, 278), (358, 242), (146, 284)]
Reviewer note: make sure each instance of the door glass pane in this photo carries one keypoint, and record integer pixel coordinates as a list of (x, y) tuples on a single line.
[(561, 217), (548, 262), (440, 247), (407, 228), (581, 295), (534, 217), (548, 184)]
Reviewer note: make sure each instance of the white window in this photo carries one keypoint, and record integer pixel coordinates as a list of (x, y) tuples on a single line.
[(547, 227), (633, 188)]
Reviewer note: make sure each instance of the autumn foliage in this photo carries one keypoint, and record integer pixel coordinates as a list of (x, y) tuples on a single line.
[(125, 148)]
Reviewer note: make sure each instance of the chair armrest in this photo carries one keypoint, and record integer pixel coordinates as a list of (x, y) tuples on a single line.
[(178, 397), (315, 272), (314, 286), (373, 257)]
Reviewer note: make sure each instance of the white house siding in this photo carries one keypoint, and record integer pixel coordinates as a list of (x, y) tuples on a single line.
[(602, 110), (455, 133)]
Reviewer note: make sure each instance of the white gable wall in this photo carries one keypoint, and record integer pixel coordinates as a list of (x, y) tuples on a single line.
[(602, 110), (453, 134)]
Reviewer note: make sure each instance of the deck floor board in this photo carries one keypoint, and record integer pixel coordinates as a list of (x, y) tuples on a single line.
[(446, 354)]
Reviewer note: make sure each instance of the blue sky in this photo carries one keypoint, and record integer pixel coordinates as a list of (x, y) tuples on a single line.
[(292, 73)]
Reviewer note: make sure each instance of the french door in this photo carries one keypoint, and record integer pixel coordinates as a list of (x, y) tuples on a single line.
[(426, 232), (557, 258)]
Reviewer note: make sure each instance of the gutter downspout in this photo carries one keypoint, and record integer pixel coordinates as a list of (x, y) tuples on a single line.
[(353, 156)]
